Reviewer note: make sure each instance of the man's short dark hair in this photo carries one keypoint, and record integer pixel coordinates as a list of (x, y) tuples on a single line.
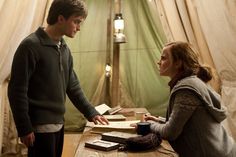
[(66, 8)]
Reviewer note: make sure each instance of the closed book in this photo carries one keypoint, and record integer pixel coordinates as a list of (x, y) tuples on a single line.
[(115, 117), (103, 109), (114, 110), (102, 145), (119, 137)]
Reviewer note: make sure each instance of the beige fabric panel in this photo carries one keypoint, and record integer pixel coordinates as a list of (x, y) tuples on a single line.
[(219, 27), (18, 19), (173, 19)]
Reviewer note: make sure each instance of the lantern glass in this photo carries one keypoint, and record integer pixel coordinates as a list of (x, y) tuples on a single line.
[(119, 36)]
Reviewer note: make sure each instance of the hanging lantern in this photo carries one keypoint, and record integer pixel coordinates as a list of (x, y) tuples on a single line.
[(119, 36)]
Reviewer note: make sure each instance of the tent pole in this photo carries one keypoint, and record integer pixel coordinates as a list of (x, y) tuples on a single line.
[(116, 63)]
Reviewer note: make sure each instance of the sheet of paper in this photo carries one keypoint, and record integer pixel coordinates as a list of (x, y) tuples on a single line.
[(102, 108), (115, 125)]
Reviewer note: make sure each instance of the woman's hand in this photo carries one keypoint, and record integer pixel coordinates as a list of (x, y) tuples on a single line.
[(158, 119), (134, 125), (100, 119), (150, 117)]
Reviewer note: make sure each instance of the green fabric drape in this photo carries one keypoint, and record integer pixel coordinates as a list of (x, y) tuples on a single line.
[(140, 83)]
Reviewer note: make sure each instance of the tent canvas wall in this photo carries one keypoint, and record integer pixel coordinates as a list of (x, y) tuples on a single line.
[(208, 24)]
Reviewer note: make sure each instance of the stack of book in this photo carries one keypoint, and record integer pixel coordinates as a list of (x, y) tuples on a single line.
[(119, 137), (102, 145), (110, 140)]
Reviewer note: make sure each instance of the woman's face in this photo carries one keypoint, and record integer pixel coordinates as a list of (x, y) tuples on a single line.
[(166, 65)]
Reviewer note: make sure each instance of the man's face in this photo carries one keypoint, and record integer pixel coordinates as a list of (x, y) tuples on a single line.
[(71, 25)]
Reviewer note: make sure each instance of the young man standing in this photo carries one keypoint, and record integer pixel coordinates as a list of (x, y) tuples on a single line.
[(42, 74)]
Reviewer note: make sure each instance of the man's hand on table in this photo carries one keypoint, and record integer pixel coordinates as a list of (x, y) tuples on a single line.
[(99, 119)]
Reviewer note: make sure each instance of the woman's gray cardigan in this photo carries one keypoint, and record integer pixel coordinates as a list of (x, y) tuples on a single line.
[(194, 117)]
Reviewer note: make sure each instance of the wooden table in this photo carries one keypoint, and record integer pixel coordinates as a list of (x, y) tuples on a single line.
[(164, 150)]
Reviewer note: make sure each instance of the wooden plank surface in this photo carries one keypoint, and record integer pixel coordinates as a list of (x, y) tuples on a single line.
[(71, 142)]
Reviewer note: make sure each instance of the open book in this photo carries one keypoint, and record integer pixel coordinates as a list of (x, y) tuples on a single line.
[(115, 125), (103, 109)]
